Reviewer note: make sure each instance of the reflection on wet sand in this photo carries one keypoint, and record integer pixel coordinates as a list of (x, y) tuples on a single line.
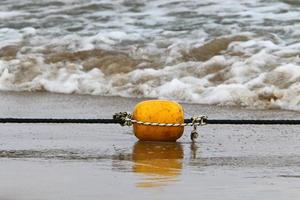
[(194, 149), (159, 162)]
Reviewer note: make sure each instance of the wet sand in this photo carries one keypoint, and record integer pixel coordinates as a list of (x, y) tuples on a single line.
[(76, 161)]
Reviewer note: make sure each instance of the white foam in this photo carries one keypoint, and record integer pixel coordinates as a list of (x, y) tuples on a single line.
[(290, 69), (9, 37), (262, 72), (6, 15)]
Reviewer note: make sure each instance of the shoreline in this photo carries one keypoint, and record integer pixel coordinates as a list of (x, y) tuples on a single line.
[(137, 99)]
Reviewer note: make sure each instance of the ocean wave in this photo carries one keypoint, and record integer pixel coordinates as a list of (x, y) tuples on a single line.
[(206, 52)]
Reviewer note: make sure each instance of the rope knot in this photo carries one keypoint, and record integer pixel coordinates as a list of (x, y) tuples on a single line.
[(124, 118), (199, 120)]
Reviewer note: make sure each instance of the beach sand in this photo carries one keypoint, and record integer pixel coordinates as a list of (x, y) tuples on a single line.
[(82, 161)]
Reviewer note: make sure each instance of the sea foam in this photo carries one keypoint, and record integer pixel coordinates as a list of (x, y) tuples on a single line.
[(243, 53)]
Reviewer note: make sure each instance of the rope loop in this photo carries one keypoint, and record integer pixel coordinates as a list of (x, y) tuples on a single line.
[(198, 120)]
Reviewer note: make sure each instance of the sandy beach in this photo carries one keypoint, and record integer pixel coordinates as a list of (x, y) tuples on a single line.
[(76, 161), (94, 58)]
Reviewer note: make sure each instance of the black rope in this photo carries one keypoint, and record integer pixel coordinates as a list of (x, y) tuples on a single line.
[(117, 121), (252, 121), (59, 121)]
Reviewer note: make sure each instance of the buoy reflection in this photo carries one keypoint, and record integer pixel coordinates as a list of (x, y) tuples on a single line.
[(159, 162)]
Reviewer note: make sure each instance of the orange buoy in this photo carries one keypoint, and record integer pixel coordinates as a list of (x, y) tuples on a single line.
[(158, 111)]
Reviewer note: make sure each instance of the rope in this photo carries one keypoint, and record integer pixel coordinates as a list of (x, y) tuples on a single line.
[(190, 122), (253, 121), (59, 121), (126, 120)]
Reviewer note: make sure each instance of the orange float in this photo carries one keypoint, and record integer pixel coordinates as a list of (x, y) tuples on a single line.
[(158, 111)]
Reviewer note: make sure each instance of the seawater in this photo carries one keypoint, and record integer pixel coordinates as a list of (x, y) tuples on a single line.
[(231, 52)]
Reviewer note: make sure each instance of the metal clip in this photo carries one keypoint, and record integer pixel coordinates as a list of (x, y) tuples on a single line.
[(197, 121), (194, 134)]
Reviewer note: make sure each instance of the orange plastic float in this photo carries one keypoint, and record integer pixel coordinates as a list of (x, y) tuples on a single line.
[(158, 111)]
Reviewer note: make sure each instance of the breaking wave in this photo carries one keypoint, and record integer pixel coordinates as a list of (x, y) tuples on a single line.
[(243, 53)]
